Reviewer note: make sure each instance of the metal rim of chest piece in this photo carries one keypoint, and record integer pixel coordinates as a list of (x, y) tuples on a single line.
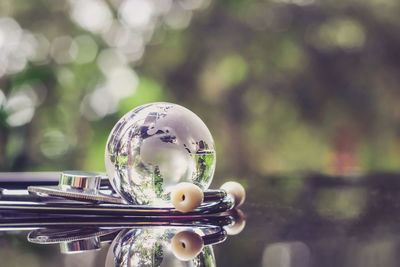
[(79, 186)]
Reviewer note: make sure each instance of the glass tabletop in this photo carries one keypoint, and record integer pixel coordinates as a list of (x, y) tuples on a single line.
[(300, 220)]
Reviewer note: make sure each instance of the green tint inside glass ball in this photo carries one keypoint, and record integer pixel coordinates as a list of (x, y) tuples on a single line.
[(155, 146)]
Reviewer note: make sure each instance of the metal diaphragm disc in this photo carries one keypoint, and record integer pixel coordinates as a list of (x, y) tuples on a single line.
[(77, 185), (53, 236), (55, 191)]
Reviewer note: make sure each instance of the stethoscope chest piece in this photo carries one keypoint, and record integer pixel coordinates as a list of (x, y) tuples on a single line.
[(79, 186)]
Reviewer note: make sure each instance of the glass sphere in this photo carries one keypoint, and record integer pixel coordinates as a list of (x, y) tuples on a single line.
[(155, 146)]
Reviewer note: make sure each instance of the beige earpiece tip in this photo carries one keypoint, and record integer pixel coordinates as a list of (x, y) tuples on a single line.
[(186, 197), (239, 222), (186, 245), (236, 190)]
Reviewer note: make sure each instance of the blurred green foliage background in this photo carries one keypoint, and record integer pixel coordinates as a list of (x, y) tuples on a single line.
[(283, 85)]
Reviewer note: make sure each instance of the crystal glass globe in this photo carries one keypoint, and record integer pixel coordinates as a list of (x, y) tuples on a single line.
[(155, 146)]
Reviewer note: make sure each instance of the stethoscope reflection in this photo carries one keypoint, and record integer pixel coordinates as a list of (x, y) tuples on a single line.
[(151, 242), (286, 254)]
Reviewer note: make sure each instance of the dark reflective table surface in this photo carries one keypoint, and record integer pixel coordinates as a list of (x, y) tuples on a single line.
[(300, 220)]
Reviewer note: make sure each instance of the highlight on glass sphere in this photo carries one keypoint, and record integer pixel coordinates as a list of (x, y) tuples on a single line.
[(154, 147)]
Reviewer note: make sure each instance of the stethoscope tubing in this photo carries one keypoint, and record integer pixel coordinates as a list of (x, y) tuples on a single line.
[(14, 197), (109, 209), (105, 222)]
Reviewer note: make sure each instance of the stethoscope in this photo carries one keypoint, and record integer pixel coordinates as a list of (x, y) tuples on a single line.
[(141, 156), (68, 197)]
